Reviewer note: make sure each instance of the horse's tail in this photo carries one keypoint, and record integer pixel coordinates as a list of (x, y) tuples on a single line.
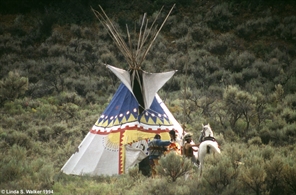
[(214, 146)]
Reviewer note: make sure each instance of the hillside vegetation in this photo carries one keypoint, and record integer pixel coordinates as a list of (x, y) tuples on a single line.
[(236, 63)]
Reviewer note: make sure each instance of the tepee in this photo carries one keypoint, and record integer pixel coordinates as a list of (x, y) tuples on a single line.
[(118, 139)]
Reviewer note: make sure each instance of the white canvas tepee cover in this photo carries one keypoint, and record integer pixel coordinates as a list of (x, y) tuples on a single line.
[(119, 137)]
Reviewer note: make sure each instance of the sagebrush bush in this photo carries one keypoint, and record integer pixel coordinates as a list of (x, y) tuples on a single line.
[(12, 87), (56, 50), (216, 47), (13, 163), (250, 73), (221, 175), (286, 29), (265, 135), (254, 177), (219, 17), (257, 27), (200, 33), (172, 166), (289, 115), (76, 30), (289, 175), (45, 133), (274, 169), (179, 30), (255, 141), (69, 97), (55, 38)]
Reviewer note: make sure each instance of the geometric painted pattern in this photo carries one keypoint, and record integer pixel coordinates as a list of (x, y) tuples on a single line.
[(124, 109)]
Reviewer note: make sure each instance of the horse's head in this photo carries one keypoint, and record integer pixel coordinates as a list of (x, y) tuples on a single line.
[(207, 131)]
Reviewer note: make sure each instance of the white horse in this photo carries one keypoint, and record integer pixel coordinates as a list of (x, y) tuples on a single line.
[(206, 131), (207, 146)]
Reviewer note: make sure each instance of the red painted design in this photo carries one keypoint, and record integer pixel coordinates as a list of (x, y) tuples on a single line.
[(120, 166), (127, 128)]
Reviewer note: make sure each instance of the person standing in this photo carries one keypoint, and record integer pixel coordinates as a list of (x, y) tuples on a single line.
[(157, 147), (188, 148), (175, 142)]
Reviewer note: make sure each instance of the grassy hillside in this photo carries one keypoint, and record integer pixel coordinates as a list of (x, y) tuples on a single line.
[(236, 59)]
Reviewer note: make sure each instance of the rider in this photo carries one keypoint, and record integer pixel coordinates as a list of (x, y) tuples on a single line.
[(156, 148), (201, 136)]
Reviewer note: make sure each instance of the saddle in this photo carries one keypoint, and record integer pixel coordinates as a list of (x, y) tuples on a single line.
[(209, 139)]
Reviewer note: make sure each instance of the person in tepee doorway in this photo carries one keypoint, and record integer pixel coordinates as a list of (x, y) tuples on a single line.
[(156, 149)]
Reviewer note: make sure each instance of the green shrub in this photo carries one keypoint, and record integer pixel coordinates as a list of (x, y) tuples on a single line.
[(257, 27), (260, 48), (289, 175), (14, 46), (56, 50), (290, 132), (13, 163), (200, 33), (12, 87), (45, 175), (253, 176), (18, 138), (173, 166), (162, 186), (231, 136), (219, 17), (289, 115), (59, 128), (55, 38), (265, 135), (250, 73), (221, 175), (45, 111), (13, 108), (268, 152), (274, 170), (276, 124), (75, 29), (8, 122), (286, 29), (210, 63), (236, 153), (45, 133), (180, 29), (69, 97), (290, 101), (255, 141), (216, 47)]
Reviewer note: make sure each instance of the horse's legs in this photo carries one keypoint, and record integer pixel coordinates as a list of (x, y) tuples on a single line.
[(200, 168), (201, 158), (187, 175)]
